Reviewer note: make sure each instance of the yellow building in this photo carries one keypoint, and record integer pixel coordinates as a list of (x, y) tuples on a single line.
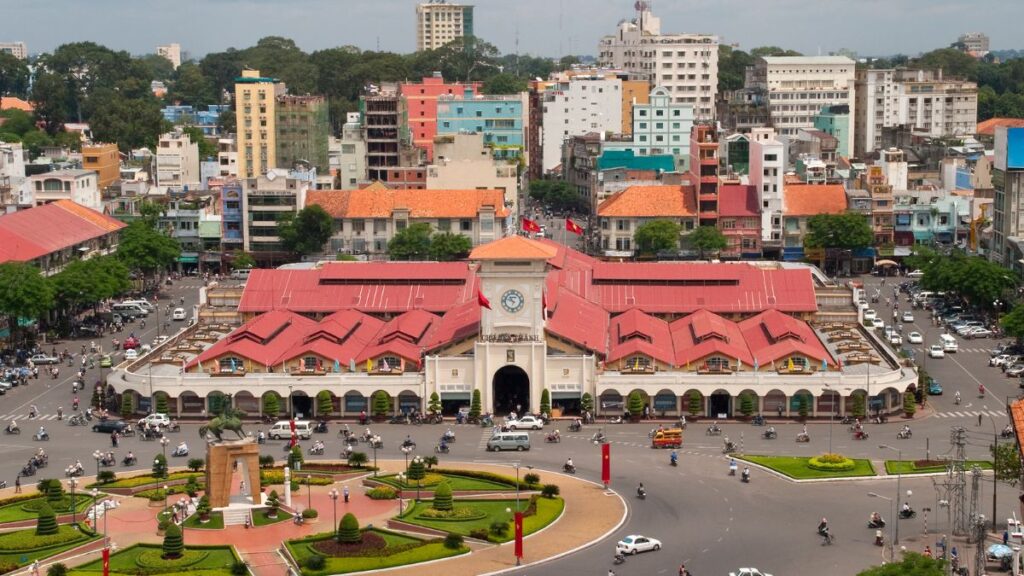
[(255, 114), (105, 160), (633, 92)]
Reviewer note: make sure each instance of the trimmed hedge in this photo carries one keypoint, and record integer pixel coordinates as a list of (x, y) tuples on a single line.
[(154, 559), (276, 476), (382, 493), (481, 475), (457, 514), (143, 480), (831, 463), (26, 540)]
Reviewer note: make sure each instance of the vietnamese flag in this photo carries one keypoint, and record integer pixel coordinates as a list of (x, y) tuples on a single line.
[(606, 464), (530, 225), (573, 227), (518, 519), (482, 300), (106, 561)]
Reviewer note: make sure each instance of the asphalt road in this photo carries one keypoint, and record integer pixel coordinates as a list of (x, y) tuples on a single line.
[(710, 521)]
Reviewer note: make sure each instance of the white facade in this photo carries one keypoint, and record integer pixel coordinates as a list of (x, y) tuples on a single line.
[(461, 162), (921, 99), (660, 127), (578, 106), (685, 64), (798, 87), (172, 52), (16, 49), (79, 186), (894, 166), (177, 161), (227, 157), (438, 23), (975, 42), (767, 175), (352, 156)]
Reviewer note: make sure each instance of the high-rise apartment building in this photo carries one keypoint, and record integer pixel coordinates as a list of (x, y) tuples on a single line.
[(16, 49), (421, 107), (255, 122), (1008, 204), (576, 106), (105, 160), (932, 106), (659, 127), (796, 88), (684, 64), (974, 42), (177, 161), (302, 132), (438, 23), (172, 52), (767, 158)]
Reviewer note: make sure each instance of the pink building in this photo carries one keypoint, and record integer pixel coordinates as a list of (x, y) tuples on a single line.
[(421, 107)]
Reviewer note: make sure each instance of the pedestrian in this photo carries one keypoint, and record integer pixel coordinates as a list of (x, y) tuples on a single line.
[(35, 568), (927, 552), (17, 484), (113, 439), (241, 486), (1006, 537), (344, 491), (979, 419)]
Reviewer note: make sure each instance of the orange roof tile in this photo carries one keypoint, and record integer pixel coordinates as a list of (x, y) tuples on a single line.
[(12, 103), (650, 202), (812, 199), (988, 127), (513, 248), (380, 202), (1017, 419)]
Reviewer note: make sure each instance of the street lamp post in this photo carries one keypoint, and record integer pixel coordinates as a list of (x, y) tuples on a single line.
[(401, 482), (995, 446), (97, 455), (163, 444), (309, 491), (95, 513), (406, 450), (165, 498), (893, 519), (72, 483), (291, 405), (334, 497), (418, 460), (831, 416), (374, 440), (899, 478)]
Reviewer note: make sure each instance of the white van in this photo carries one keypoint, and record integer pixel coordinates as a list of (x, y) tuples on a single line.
[(509, 441), (948, 343), (132, 310), (282, 429), (141, 302), (241, 273)]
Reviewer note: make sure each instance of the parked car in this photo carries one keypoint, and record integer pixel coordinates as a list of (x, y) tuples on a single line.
[(870, 315), (980, 332), (38, 359), (862, 304), (908, 317), (1009, 362), (999, 349), (131, 354), (998, 360), (130, 343), (635, 543), (109, 426), (528, 422), (1015, 370), (895, 339), (877, 324), (935, 351), (915, 338), (156, 419), (915, 274), (5, 386)]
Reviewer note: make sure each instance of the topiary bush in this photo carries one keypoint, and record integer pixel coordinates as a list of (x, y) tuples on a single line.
[(57, 569), (239, 568), (831, 463), (196, 464), (310, 513), (357, 459), (453, 541), (478, 533), (635, 404), (382, 493), (315, 562), (295, 457), (545, 402), (348, 529), (532, 479), (443, 496), (266, 461), (126, 405), (498, 528), (587, 402), (52, 488), (381, 404), (746, 404), (160, 466), (273, 504), (106, 476), (47, 523), (550, 490), (434, 406), (694, 403), (909, 406), (161, 403), (475, 406), (803, 405), (271, 404), (858, 409), (173, 542)]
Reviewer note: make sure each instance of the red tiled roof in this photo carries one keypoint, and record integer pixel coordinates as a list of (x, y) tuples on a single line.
[(1017, 419), (404, 336), (458, 323), (703, 334), (634, 332), (65, 224), (988, 127), (381, 202), (581, 322), (12, 103), (263, 339), (339, 337), (513, 248), (773, 336), (737, 201), (650, 201), (813, 199)]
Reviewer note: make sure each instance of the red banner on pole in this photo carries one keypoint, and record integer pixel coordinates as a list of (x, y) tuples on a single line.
[(606, 464), (519, 534), (106, 562)]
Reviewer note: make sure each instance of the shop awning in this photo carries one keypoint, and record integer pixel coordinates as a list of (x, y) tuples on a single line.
[(565, 395), (455, 395)]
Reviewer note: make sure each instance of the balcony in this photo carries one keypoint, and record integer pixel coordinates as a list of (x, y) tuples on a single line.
[(707, 197)]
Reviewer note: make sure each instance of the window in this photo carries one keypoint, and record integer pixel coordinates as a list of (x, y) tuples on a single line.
[(310, 363), (728, 224), (401, 224), (388, 364), (637, 363), (622, 225), (486, 224), (717, 364), (622, 244), (231, 364), (465, 225), (380, 226), (444, 225), (358, 226)]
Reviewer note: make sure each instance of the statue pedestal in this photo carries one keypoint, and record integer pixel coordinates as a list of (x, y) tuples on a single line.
[(220, 459)]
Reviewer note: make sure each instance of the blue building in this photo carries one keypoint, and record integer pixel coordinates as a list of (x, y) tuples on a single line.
[(498, 118), (231, 216), (206, 120)]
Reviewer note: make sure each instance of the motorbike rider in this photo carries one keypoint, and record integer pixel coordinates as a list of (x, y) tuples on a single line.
[(732, 466), (129, 458), (875, 519), (641, 491), (674, 457), (556, 435), (746, 473), (13, 426), (906, 510), (906, 430), (823, 526), (770, 432), (43, 433), (569, 465), (260, 437), (956, 397), (449, 434), (182, 448)]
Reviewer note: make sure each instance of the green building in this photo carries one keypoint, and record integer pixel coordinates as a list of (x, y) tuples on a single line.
[(835, 121), (302, 132)]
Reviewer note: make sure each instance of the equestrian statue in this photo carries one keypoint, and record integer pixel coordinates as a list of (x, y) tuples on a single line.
[(230, 419)]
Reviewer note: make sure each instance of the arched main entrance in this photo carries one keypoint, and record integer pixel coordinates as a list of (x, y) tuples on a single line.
[(511, 389)]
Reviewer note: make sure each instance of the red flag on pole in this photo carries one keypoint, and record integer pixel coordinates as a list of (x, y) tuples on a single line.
[(106, 561), (530, 225), (482, 300), (573, 227), (519, 534), (606, 464)]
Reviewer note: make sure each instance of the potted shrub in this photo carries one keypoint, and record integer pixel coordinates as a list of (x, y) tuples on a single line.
[(203, 509), (273, 504)]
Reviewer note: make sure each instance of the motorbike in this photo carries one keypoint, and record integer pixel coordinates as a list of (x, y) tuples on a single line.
[(881, 419), (408, 444), (1007, 432), (442, 449), (615, 420), (641, 493), (321, 427), (729, 448), (376, 443), (757, 421), (827, 538), (770, 435), (74, 471), (366, 437), (619, 558), (904, 434), (569, 468), (41, 437), (316, 451), (28, 470), (449, 438), (398, 419), (108, 462), (875, 525), (126, 461), (9, 430), (847, 420), (553, 438), (745, 476), (574, 427), (673, 461), (180, 452), (714, 430), (599, 438), (268, 419), (907, 514), (803, 437), (860, 435), (76, 420), (434, 419)]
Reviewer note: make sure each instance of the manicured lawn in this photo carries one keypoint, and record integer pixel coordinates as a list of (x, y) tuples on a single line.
[(796, 467), (216, 522), (21, 547), (458, 483), (17, 510), (201, 561), (548, 509), (144, 479), (427, 550), (908, 467), (259, 517)]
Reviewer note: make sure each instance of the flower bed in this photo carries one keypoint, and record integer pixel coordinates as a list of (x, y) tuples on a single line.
[(154, 559), (155, 494), (276, 476), (143, 480), (797, 467), (382, 493), (22, 547), (399, 550), (18, 509), (216, 522), (145, 559), (544, 511), (456, 514), (831, 463), (459, 481)]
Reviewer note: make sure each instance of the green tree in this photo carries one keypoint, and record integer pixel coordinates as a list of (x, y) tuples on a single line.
[(732, 66), (47, 522), (216, 403), (16, 121), (324, 404), (447, 246), (52, 489), (434, 406), (1013, 323), (706, 239), (413, 243), (803, 405), (357, 459), (161, 403), (130, 122), (348, 529), (417, 471), (295, 457), (504, 84), (156, 67), (160, 466), (545, 402), (859, 406), (695, 403), (207, 149), (443, 496), (190, 86), (1006, 458), (143, 248), (271, 404), (635, 404), (762, 51), (226, 121), (746, 404), (14, 76), (174, 544), (307, 231), (49, 98), (912, 564), (909, 404), (242, 260), (24, 293), (57, 569), (34, 141), (381, 404), (953, 63), (657, 236), (587, 402), (849, 230), (475, 405), (127, 408)]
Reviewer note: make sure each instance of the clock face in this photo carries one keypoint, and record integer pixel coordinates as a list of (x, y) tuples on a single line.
[(512, 300)]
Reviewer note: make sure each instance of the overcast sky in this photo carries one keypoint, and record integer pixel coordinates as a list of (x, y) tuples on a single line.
[(545, 27)]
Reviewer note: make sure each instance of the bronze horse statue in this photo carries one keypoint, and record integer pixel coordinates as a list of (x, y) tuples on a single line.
[(229, 420)]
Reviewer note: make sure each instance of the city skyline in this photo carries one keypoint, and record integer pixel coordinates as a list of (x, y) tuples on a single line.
[(875, 28)]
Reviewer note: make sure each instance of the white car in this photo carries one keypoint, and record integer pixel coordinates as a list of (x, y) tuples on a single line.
[(530, 422), (160, 339), (998, 360), (39, 359), (980, 332), (178, 314), (895, 339), (131, 354), (156, 420), (877, 324), (863, 304), (635, 543), (915, 274), (749, 572), (870, 315), (935, 351), (908, 317), (915, 338)]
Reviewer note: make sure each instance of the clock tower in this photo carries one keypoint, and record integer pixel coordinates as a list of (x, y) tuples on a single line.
[(511, 351)]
